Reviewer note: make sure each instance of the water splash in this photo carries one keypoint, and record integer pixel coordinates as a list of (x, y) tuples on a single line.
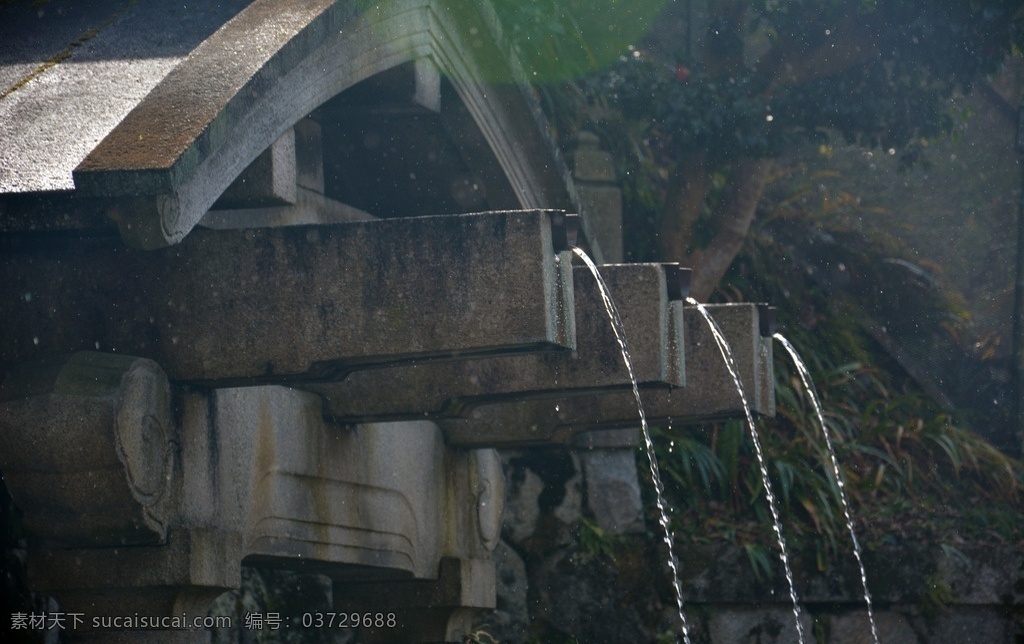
[(659, 488), (805, 377), (730, 363)]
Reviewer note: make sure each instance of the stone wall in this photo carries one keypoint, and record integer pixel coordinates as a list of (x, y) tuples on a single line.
[(565, 571)]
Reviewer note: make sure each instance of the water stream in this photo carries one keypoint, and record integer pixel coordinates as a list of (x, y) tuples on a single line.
[(805, 377), (659, 489), (730, 363)]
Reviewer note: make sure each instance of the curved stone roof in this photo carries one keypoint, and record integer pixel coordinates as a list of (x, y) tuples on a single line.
[(181, 103)]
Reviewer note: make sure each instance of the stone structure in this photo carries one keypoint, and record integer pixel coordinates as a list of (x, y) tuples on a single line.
[(239, 331)]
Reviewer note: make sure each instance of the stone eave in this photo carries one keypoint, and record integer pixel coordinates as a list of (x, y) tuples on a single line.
[(175, 153)]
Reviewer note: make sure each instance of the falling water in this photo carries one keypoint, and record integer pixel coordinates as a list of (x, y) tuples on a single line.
[(730, 363), (805, 376), (659, 489)]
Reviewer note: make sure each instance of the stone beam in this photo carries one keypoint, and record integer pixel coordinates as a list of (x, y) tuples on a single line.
[(296, 303), (88, 443), (649, 300), (708, 394)]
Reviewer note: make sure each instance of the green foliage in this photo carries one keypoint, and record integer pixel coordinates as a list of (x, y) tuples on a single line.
[(822, 629), (761, 559), (729, 117), (936, 596), (563, 40), (774, 73), (913, 473), (595, 543)]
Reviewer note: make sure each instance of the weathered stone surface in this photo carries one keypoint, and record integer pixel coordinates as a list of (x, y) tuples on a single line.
[(590, 163), (719, 583), (310, 207), (756, 626), (510, 620), (439, 610), (87, 449), (599, 195), (854, 628), (215, 308), (601, 588), (521, 507), (613, 490), (75, 69), (258, 476), (608, 439), (708, 393), (309, 155), (451, 388), (368, 502), (180, 577), (260, 460), (581, 598), (987, 576), (270, 180), (603, 207), (544, 497)]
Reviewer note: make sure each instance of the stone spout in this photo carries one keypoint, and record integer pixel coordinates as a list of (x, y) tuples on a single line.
[(708, 393), (565, 229), (295, 304), (649, 297), (679, 280)]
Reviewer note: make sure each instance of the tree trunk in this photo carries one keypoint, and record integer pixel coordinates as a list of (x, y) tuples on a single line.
[(687, 193), (732, 218)]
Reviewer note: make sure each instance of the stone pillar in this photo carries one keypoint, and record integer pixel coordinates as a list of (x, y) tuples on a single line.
[(612, 484), (270, 180), (599, 194)]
